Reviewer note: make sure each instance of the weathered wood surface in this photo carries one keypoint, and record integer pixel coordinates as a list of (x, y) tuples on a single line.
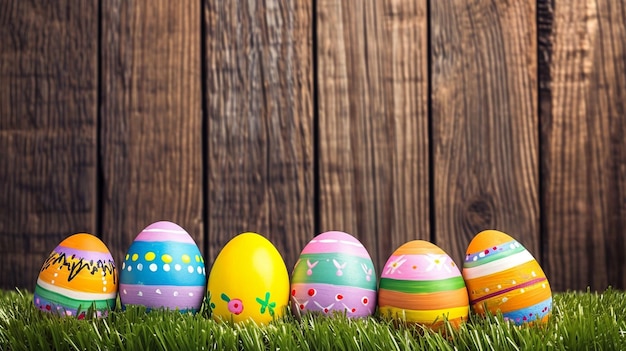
[(484, 117), (392, 120), (373, 122), (48, 126), (259, 97), (583, 106), (151, 124)]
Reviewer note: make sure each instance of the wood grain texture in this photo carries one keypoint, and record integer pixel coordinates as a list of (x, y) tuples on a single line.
[(373, 122), (48, 114), (151, 128), (260, 123), (583, 104), (485, 124)]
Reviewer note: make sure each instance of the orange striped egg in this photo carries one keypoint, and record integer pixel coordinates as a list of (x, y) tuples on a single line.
[(78, 274), (501, 275), (421, 284)]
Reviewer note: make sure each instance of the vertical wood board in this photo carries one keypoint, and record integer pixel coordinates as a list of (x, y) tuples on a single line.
[(485, 124), (48, 114), (584, 169), (259, 96), (373, 122), (151, 128)]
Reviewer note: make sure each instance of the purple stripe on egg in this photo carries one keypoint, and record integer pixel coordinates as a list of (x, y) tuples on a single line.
[(327, 298), (92, 255), (167, 225), (500, 292), (157, 234), (167, 296)]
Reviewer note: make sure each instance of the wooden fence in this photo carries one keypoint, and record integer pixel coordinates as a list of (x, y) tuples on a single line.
[(392, 120)]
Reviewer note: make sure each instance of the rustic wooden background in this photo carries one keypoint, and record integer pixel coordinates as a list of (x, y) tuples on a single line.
[(392, 120)]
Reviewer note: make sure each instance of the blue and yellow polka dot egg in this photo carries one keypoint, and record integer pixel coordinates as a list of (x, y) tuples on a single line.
[(163, 268)]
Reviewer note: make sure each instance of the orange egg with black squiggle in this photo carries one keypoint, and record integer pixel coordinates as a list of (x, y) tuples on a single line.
[(501, 275), (78, 274)]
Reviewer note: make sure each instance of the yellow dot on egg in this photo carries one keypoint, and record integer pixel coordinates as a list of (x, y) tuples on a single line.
[(127, 256), (135, 257), (150, 256), (186, 258), (197, 258), (166, 258)]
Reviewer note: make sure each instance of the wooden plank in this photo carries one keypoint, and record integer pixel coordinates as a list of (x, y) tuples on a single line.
[(583, 104), (151, 129), (259, 94), (484, 115), (373, 122), (48, 97)]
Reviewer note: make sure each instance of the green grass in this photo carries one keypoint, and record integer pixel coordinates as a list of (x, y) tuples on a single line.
[(580, 321)]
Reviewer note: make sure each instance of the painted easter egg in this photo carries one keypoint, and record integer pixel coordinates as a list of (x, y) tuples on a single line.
[(421, 284), (248, 281), (78, 274), (163, 268), (501, 275), (334, 273)]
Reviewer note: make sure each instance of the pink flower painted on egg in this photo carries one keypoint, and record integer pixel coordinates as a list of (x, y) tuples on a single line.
[(235, 306)]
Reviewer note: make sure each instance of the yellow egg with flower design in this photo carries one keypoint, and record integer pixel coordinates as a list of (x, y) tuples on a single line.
[(248, 281)]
